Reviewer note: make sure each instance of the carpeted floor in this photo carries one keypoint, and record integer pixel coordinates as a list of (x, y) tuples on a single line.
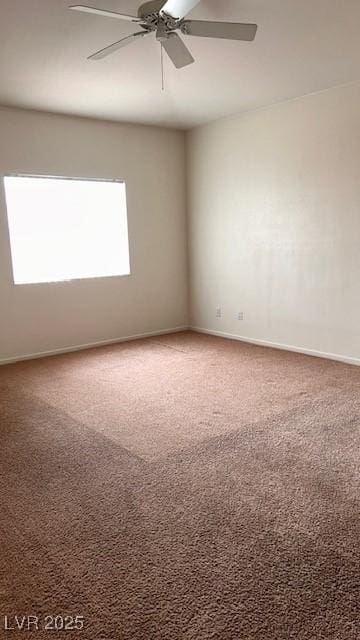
[(182, 488)]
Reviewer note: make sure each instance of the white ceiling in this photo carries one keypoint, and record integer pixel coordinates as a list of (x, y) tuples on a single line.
[(302, 46)]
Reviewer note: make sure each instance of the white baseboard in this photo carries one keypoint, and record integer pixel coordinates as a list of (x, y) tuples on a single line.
[(162, 332), (283, 347), (91, 345)]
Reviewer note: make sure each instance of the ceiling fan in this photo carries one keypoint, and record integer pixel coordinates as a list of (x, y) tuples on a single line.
[(165, 17)]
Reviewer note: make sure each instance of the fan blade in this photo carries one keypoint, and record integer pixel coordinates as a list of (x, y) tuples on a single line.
[(102, 12), (226, 30), (103, 53), (178, 53), (178, 8)]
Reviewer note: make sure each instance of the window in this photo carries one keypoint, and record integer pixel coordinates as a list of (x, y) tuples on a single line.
[(64, 229)]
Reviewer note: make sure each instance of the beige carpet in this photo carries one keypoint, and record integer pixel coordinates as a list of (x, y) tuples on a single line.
[(182, 488)]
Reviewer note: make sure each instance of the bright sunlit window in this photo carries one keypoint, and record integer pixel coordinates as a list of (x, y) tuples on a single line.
[(65, 229)]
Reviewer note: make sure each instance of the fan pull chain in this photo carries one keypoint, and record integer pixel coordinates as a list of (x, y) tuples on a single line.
[(162, 68)]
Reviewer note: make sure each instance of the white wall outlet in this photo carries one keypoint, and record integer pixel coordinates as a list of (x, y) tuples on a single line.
[(218, 312), (241, 316)]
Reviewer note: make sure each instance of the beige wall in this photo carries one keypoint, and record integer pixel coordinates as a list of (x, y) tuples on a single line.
[(274, 223), (37, 318), (274, 228)]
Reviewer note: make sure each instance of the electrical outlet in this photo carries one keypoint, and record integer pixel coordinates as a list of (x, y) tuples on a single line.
[(218, 312), (241, 316)]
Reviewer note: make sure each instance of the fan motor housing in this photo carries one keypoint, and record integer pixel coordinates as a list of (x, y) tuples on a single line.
[(153, 20), (148, 8)]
